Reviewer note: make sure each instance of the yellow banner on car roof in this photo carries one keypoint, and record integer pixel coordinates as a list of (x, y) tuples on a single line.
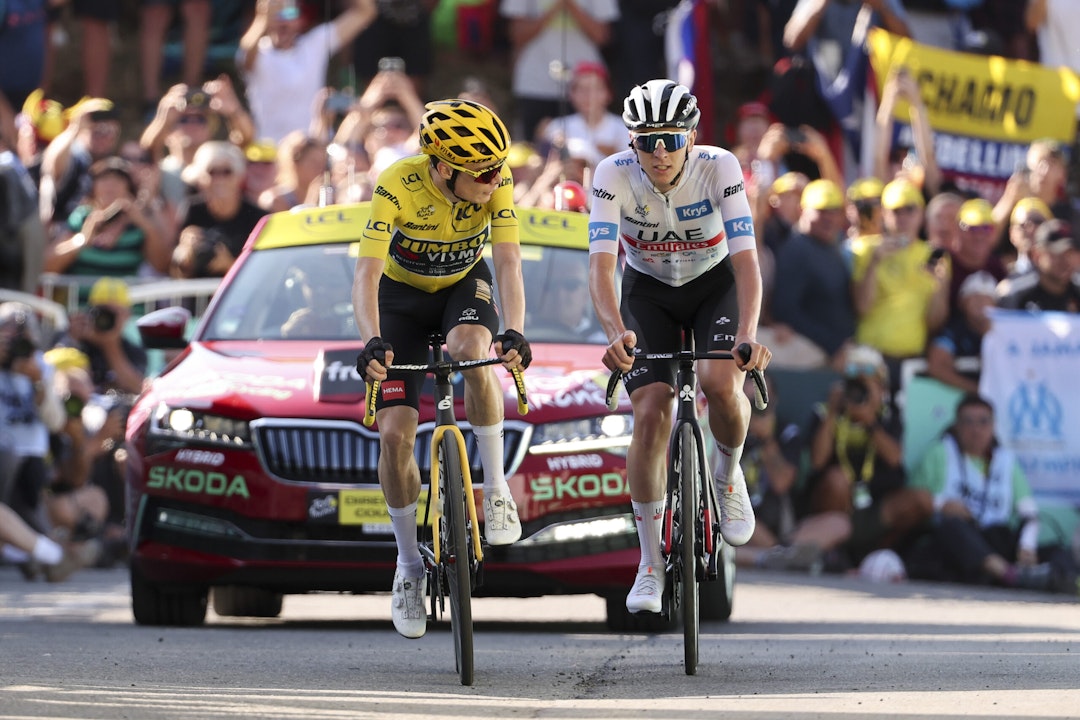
[(981, 96)]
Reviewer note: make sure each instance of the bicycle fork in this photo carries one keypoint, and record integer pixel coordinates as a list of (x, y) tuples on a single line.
[(434, 489)]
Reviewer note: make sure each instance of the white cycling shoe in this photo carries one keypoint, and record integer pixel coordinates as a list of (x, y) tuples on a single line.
[(501, 524), (736, 511), (407, 605), (647, 594)]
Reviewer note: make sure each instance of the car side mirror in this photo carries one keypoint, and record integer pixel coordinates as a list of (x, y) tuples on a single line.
[(164, 329)]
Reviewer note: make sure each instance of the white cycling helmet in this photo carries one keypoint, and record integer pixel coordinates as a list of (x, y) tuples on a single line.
[(660, 104)]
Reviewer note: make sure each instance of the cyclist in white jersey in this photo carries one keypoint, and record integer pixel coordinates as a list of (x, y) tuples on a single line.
[(679, 213)]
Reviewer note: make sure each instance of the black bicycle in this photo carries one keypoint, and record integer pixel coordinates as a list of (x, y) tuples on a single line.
[(691, 541), (454, 554)]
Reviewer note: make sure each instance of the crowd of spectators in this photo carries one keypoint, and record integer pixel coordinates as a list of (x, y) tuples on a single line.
[(860, 273)]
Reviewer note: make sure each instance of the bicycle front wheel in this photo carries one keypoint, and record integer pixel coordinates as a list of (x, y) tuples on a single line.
[(457, 555), (689, 509)]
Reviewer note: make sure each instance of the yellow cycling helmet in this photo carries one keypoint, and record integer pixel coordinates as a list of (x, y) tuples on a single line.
[(462, 131)]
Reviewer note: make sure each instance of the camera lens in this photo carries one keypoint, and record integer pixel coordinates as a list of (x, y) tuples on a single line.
[(104, 318), (855, 391)]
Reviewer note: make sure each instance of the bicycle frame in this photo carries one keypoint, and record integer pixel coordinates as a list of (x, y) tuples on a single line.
[(446, 422)]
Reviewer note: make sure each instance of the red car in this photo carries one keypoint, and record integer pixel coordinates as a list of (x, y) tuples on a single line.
[(251, 475)]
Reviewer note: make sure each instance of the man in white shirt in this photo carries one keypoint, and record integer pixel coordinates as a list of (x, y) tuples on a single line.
[(284, 68)]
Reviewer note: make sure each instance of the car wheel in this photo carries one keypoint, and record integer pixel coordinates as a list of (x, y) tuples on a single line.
[(154, 604), (620, 620), (718, 596), (236, 601)]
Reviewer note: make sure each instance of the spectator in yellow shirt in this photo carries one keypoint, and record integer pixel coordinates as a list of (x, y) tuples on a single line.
[(900, 298)]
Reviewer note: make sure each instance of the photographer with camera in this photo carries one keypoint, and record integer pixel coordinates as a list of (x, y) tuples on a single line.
[(29, 411), (115, 362), (856, 461)]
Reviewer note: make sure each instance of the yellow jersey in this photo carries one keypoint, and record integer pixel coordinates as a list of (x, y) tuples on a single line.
[(427, 241), (896, 323)]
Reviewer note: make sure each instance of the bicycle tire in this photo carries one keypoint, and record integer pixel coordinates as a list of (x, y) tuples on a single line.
[(689, 514), (457, 556)]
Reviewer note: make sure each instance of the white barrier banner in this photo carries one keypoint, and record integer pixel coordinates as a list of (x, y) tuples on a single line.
[(1031, 373)]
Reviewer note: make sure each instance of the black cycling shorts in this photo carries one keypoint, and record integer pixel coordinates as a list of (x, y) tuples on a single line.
[(408, 316), (657, 312)]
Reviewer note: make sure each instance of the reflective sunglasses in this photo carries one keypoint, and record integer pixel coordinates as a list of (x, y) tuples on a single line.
[(484, 177), (220, 172), (649, 141)]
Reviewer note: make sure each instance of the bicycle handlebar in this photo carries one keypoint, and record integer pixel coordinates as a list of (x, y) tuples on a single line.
[(761, 392), (447, 366)]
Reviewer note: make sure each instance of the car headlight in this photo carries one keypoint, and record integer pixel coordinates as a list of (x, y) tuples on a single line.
[(198, 426), (607, 432)]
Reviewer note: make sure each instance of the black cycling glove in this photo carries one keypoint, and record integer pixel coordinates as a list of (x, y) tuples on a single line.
[(374, 349), (512, 339)]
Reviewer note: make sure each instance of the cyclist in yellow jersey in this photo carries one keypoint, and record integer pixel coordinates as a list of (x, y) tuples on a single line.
[(421, 270)]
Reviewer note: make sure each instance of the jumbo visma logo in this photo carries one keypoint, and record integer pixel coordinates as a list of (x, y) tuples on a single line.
[(1035, 413)]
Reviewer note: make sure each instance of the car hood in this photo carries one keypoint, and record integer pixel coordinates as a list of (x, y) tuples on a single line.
[(318, 380)]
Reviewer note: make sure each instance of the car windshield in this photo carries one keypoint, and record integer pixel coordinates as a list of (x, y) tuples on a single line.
[(305, 293)]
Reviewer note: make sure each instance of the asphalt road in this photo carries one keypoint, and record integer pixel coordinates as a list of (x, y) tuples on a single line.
[(796, 647)]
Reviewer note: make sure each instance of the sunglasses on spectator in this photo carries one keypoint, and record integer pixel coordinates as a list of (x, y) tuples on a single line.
[(220, 172), (1032, 221), (648, 142), (193, 119), (856, 369), (977, 228), (484, 177)]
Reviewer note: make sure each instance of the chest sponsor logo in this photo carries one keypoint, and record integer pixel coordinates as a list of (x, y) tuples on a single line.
[(671, 241), (622, 162), (410, 179), (642, 223), (425, 212), (695, 211), (433, 258), (422, 227)]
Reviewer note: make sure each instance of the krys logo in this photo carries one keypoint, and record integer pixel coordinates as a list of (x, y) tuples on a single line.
[(1034, 413), (697, 210)]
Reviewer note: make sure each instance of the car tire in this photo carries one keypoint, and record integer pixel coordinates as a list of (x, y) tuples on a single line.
[(621, 620), (237, 601), (717, 598), (154, 604)]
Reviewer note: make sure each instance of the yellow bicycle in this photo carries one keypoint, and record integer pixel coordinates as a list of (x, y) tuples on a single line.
[(454, 554)]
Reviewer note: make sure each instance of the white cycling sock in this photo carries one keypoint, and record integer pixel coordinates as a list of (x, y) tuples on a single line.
[(489, 440), (409, 560), (648, 517), (47, 551), (727, 459)]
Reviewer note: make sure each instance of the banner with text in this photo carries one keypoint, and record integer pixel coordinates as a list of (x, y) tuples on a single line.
[(1029, 373), (984, 110)]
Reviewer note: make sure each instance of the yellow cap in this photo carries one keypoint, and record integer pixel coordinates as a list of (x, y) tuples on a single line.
[(520, 154), (867, 188), (109, 291), (901, 193), (67, 358), (1027, 206), (822, 195), (46, 116), (261, 150), (976, 213), (788, 182)]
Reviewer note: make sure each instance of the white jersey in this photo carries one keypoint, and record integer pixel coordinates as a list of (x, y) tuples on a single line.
[(675, 236)]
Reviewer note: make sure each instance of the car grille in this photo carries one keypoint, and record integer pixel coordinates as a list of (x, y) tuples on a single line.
[(321, 451)]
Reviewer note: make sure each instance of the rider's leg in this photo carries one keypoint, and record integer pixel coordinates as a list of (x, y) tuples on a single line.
[(729, 417), (646, 462), (399, 477), (485, 410), (483, 403)]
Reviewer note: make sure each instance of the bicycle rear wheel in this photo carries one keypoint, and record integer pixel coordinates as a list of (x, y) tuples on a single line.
[(689, 510), (457, 555)]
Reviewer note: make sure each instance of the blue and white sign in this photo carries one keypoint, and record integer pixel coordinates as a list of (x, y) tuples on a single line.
[(1030, 373)]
